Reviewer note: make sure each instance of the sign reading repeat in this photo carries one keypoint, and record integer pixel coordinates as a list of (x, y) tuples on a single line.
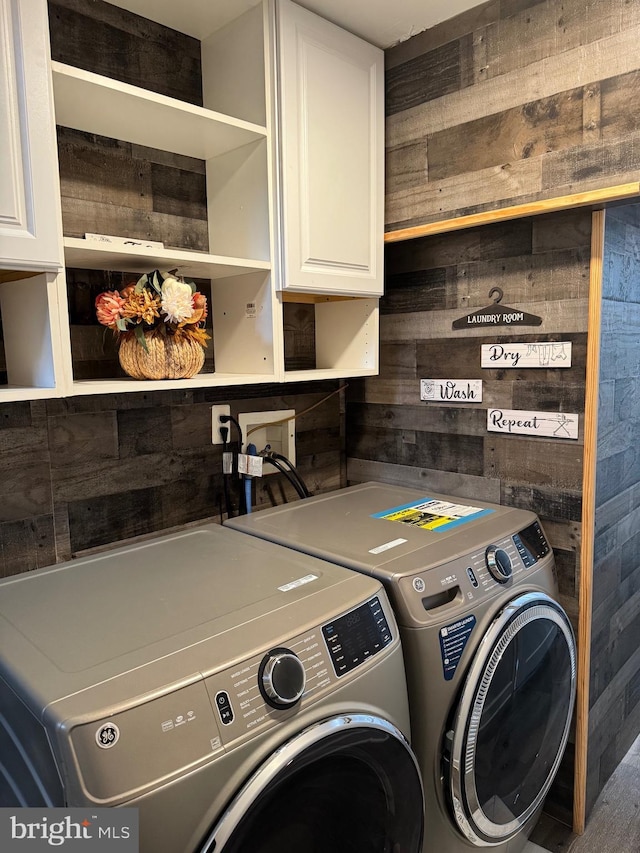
[(103, 830), (543, 424)]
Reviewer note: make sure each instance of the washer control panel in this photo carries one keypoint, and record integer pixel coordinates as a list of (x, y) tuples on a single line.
[(257, 692), (531, 544), (443, 590)]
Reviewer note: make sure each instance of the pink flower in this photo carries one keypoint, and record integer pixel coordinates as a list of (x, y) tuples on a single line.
[(200, 304), (108, 307)]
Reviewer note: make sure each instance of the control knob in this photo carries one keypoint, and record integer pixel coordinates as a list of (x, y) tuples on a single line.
[(281, 678), (498, 563)]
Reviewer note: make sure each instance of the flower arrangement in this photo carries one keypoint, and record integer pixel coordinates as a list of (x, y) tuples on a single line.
[(160, 303), (159, 324)]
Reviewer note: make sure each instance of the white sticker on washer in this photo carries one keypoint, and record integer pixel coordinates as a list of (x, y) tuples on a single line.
[(387, 546), (298, 582)]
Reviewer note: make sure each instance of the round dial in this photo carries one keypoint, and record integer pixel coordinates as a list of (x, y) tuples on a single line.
[(281, 678), (498, 563)]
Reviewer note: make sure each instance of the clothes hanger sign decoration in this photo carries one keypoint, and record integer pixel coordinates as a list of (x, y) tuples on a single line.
[(497, 315)]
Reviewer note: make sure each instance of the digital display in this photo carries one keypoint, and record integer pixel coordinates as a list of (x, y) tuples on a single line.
[(531, 544), (358, 635)]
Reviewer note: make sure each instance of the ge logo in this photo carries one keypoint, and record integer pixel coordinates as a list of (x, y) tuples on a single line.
[(418, 585), (107, 735)]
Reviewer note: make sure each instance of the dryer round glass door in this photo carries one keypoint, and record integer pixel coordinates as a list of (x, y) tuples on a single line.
[(346, 784), (512, 720)]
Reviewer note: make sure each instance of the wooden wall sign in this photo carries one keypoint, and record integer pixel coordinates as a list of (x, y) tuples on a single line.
[(543, 354), (544, 424), (497, 315), (451, 390)]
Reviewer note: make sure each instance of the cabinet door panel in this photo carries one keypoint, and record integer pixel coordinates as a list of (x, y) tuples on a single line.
[(30, 235), (332, 139)]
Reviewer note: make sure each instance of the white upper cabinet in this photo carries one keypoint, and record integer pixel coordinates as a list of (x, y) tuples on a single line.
[(331, 147), (30, 231)]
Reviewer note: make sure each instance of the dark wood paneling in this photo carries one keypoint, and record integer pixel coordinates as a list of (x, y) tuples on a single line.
[(90, 471), (534, 129), (614, 719), (107, 40), (428, 76), (112, 187), (532, 103)]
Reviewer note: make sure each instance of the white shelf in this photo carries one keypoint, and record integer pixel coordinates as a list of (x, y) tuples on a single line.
[(328, 373), (202, 380), (16, 393), (83, 254), (95, 104)]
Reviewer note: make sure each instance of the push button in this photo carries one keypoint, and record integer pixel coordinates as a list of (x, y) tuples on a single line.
[(472, 577), (225, 710)]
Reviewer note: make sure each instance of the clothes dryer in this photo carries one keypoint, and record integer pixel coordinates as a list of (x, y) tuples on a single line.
[(241, 696), (489, 652)]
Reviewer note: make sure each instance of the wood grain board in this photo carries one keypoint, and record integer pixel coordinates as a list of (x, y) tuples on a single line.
[(529, 105), (614, 491)]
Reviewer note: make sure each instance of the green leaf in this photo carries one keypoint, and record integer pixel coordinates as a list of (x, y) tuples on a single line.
[(141, 338), (141, 283), (156, 281), (191, 284), (121, 323)]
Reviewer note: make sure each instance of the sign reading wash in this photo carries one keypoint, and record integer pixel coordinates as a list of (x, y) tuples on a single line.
[(545, 424), (35, 830), (451, 390)]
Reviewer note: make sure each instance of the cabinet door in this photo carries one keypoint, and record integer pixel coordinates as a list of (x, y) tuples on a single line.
[(30, 236), (332, 156)]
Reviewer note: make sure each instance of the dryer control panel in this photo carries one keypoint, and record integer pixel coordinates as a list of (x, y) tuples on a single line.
[(266, 688)]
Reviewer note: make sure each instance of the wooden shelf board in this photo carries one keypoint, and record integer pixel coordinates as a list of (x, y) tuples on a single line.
[(593, 198), (95, 104), (315, 298), (328, 373), (18, 393), (82, 254), (201, 380), (17, 275)]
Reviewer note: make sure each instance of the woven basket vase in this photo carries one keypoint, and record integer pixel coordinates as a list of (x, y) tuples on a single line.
[(168, 357)]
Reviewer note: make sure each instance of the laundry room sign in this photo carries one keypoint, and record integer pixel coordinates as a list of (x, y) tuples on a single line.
[(451, 390), (541, 354), (543, 424)]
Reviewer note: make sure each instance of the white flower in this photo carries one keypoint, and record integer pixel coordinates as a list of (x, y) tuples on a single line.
[(177, 300)]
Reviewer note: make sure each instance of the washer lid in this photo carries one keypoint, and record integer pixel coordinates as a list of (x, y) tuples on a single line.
[(375, 528), (207, 594)]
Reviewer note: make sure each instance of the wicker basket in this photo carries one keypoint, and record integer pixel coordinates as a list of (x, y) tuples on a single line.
[(168, 357)]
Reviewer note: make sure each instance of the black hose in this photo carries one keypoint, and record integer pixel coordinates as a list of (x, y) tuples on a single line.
[(287, 473), (293, 470)]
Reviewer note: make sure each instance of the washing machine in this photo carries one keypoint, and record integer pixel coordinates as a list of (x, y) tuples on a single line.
[(242, 697), (489, 652)]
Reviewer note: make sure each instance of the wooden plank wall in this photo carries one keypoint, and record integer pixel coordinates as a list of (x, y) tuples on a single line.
[(91, 471), (542, 265), (512, 102), (614, 714)]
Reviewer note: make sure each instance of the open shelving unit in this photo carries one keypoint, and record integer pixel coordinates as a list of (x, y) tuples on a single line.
[(237, 137)]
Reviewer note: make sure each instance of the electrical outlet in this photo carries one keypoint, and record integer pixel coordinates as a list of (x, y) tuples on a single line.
[(216, 411), (275, 429)]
